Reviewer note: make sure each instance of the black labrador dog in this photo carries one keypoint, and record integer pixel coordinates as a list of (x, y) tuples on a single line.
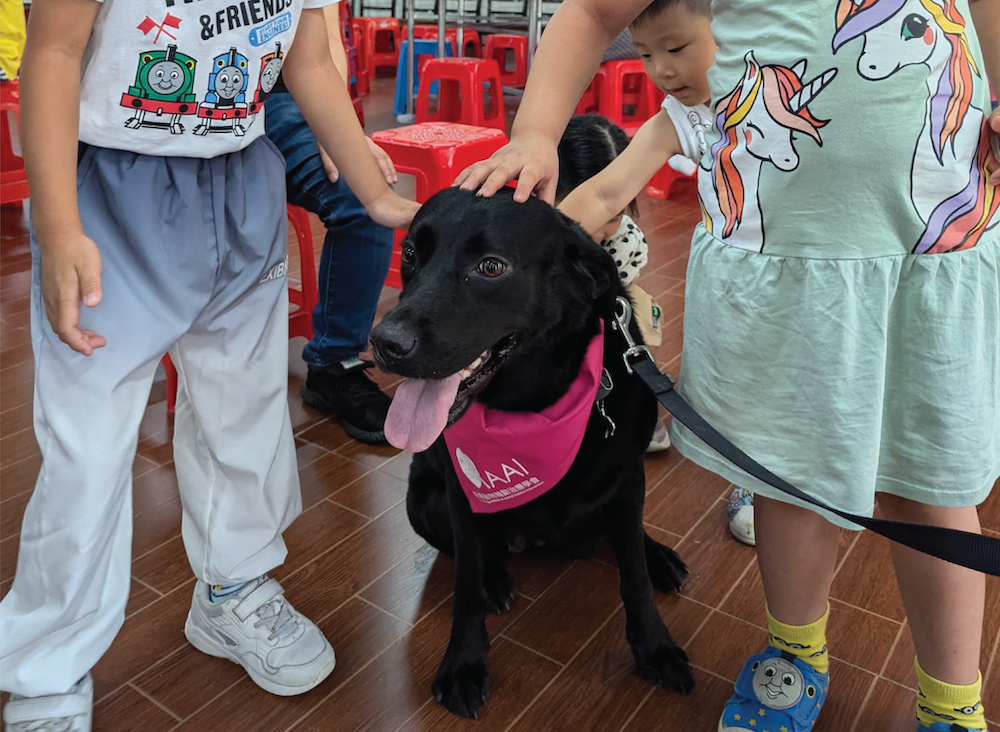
[(500, 302)]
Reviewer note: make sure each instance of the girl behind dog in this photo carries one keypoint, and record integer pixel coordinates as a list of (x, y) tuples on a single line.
[(588, 146)]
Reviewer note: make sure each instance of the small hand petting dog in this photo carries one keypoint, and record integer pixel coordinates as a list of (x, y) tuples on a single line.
[(527, 428)]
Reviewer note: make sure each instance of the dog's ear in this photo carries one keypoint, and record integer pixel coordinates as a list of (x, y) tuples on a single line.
[(591, 264)]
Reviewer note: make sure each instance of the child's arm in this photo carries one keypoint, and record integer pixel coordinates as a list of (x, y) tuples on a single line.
[(606, 195), (50, 117), (986, 16), (321, 94), (339, 56), (331, 14), (567, 59)]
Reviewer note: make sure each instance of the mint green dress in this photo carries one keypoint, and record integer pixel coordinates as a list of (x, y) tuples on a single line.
[(842, 318)]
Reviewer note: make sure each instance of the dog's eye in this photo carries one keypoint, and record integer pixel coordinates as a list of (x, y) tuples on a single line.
[(409, 255), (492, 267)]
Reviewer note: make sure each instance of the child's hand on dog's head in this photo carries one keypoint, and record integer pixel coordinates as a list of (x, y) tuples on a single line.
[(530, 158), (392, 210)]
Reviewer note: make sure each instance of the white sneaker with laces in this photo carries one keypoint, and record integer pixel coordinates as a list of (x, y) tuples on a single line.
[(283, 651), (69, 712)]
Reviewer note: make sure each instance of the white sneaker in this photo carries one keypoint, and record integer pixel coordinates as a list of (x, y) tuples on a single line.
[(740, 512), (283, 651), (660, 439), (69, 712)]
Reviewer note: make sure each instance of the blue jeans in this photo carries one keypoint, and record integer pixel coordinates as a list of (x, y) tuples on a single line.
[(356, 250)]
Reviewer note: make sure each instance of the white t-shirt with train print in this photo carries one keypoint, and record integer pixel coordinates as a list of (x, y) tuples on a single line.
[(182, 78)]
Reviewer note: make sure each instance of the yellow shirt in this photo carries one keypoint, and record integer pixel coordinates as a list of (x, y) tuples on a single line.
[(12, 34)]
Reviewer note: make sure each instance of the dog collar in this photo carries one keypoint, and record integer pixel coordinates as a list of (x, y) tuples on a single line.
[(506, 459)]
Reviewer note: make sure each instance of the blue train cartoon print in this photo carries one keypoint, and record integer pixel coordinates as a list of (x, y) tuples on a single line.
[(226, 98)]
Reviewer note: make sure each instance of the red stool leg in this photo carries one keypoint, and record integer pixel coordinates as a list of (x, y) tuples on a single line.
[(306, 298), (168, 366)]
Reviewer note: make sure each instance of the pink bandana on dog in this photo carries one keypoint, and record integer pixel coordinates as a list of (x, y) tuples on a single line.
[(506, 459)]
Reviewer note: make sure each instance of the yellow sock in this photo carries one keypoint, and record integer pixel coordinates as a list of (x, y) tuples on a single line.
[(807, 642), (941, 702)]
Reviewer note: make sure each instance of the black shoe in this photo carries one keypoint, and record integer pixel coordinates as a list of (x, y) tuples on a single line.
[(349, 394)]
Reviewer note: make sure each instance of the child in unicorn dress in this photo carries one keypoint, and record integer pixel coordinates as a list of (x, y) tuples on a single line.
[(843, 296)]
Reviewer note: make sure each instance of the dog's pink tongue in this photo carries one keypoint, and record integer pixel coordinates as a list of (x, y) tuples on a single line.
[(419, 412)]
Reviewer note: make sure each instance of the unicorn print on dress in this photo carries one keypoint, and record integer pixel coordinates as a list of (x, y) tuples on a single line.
[(948, 179), (756, 122)]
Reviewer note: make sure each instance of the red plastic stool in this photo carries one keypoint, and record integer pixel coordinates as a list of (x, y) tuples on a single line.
[(354, 87), (472, 45), (361, 74), (497, 47), (306, 297), (434, 153), (628, 97), (590, 102), (350, 36), (13, 179), (358, 38), (380, 46), (462, 85)]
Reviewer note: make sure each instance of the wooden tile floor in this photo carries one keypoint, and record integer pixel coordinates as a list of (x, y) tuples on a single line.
[(559, 659)]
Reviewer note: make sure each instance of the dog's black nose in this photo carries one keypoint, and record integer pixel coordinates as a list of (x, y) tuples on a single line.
[(393, 341)]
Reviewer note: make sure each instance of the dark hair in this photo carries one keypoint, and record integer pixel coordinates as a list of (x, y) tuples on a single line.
[(587, 147), (655, 7)]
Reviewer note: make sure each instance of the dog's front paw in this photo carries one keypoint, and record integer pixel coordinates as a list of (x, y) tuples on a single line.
[(462, 685), (666, 570), (499, 588), (665, 664)]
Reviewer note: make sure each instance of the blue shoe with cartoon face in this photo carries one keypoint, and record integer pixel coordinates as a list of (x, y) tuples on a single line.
[(948, 727), (775, 692)]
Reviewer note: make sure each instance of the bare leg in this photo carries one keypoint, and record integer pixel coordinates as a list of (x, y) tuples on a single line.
[(944, 602), (797, 554)]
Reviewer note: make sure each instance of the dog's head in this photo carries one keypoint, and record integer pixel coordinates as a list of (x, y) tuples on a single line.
[(486, 282)]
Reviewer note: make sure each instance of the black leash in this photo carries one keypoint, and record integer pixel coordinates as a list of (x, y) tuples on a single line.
[(981, 553)]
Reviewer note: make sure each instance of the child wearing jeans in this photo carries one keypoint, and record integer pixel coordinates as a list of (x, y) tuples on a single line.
[(169, 234), (842, 294)]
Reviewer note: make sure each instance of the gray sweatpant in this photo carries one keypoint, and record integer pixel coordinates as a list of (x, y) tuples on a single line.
[(194, 256)]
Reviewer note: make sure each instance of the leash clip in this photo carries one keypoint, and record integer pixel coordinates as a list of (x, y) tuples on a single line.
[(611, 428), (623, 317)]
